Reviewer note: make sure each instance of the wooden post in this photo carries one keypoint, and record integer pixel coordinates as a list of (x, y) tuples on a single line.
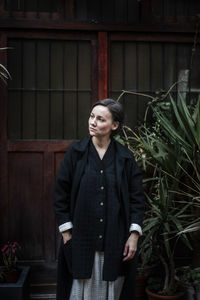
[(3, 149)]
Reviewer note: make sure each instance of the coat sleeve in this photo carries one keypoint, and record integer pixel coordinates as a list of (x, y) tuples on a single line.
[(62, 190), (136, 195)]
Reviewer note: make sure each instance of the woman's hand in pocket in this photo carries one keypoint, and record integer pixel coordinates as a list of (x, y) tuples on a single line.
[(66, 236)]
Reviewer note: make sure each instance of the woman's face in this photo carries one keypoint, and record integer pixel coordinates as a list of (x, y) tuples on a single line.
[(101, 122)]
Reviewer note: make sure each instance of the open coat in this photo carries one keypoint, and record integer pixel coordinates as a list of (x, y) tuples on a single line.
[(130, 192)]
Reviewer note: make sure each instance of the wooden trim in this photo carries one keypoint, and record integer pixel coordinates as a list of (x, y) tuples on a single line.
[(153, 37), (38, 146), (94, 70), (51, 35), (102, 65), (85, 26), (29, 15), (49, 229), (3, 148)]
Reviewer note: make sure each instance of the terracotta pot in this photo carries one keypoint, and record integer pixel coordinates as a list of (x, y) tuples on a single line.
[(141, 281), (152, 296), (12, 276)]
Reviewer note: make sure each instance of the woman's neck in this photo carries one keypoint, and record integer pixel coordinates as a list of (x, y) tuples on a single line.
[(101, 143)]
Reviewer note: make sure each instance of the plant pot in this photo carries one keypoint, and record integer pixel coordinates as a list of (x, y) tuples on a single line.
[(192, 292), (17, 290), (189, 284), (153, 296), (12, 276), (141, 281)]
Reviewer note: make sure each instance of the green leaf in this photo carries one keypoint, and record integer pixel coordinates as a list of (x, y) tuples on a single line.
[(198, 123)]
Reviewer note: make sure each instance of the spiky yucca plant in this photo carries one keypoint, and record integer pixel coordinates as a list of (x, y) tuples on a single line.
[(4, 74), (170, 147)]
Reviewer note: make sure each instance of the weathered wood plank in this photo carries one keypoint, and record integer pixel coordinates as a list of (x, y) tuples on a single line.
[(157, 71), (102, 65), (116, 61), (26, 193), (38, 146), (70, 115), (84, 65), (130, 65), (49, 224), (14, 115), (83, 109)]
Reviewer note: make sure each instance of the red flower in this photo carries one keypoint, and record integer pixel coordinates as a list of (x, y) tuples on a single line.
[(4, 247)]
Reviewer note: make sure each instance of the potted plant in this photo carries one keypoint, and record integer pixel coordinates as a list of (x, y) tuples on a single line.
[(189, 277), (4, 74), (13, 278), (162, 224), (10, 258), (145, 268), (170, 148)]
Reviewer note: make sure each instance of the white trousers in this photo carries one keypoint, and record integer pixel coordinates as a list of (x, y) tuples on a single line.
[(95, 288)]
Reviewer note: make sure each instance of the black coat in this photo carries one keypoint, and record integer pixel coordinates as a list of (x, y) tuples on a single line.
[(129, 184)]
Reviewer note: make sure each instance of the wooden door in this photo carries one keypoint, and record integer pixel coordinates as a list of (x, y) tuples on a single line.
[(45, 108)]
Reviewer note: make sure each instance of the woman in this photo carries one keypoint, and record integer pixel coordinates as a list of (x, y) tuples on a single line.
[(98, 203)]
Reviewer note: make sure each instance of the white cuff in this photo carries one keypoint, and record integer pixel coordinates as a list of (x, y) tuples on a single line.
[(65, 226), (136, 227)]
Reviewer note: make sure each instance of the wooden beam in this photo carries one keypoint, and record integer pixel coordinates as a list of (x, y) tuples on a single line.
[(38, 145), (85, 26), (152, 37), (3, 149), (56, 35), (102, 65)]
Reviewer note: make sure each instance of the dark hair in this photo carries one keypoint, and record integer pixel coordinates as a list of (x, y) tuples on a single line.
[(115, 109)]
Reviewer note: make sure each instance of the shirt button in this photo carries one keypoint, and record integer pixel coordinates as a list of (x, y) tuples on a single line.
[(102, 187), (101, 171), (101, 203), (100, 236), (101, 220)]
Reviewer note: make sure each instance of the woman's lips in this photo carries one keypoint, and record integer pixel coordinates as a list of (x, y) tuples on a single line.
[(92, 129)]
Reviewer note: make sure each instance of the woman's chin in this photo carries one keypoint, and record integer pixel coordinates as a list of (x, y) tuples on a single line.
[(91, 132)]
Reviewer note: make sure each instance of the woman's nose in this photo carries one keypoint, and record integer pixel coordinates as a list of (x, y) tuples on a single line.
[(93, 122)]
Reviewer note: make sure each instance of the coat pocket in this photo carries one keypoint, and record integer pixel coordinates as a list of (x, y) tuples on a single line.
[(67, 249)]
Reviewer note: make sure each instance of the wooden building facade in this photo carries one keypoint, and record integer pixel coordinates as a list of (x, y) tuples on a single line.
[(64, 55)]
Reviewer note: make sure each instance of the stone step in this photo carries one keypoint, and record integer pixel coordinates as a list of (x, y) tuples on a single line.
[(43, 291), (43, 296)]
